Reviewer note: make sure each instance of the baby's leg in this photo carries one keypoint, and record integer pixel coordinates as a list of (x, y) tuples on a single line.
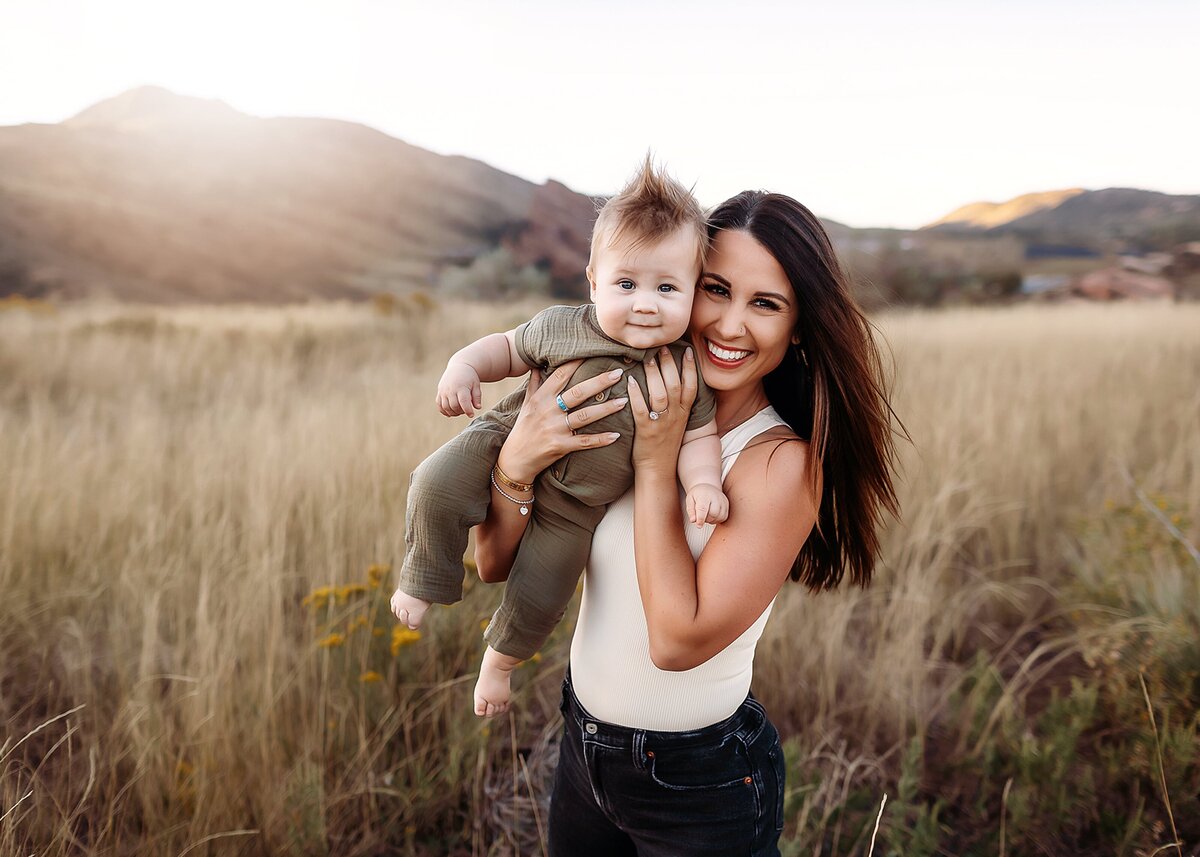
[(447, 495), (544, 573)]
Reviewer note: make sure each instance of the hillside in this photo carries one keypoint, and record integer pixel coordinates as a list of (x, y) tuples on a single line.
[(984, 215), (158, 197), (1112, 219)]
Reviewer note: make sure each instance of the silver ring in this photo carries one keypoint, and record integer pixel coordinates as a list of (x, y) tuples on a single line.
[(562, 406), (567, 420), (654, 415)]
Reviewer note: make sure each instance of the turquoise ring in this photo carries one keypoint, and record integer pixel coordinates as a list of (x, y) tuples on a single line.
[(562, 406)]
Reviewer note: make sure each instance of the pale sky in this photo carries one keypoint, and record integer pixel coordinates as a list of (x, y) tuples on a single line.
[(872, 113)]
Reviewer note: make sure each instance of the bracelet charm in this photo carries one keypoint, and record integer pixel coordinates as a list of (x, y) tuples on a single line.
[(524, 504)]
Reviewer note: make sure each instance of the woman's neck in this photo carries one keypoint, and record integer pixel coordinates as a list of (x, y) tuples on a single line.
[(734, 407)]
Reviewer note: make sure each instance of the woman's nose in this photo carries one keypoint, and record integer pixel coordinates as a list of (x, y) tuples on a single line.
[(730, 326)]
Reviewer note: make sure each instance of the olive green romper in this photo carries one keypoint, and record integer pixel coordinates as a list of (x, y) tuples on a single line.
[(449, 492)]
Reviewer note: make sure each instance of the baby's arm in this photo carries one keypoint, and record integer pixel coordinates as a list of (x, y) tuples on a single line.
[(700, 472), (492, 358)]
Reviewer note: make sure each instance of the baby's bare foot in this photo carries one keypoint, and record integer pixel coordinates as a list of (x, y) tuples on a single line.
[(408, 609), (494, 688)]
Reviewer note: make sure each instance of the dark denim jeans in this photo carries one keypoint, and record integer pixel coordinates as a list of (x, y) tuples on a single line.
[(711, 791)]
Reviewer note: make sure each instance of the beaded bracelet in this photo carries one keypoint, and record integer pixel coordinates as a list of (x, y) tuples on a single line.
[(524, 504)]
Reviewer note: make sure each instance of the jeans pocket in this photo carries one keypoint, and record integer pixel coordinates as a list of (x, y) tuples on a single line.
[(705, 766)]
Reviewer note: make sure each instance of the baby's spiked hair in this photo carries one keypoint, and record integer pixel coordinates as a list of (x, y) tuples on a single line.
[(648, 209)]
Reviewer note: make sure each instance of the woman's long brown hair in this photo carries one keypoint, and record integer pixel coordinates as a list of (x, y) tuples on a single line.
[(829, 388)]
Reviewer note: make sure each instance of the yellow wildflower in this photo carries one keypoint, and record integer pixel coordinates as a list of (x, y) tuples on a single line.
[(377, 632), (332, 641), (483, 623), (370, 677), (401, 637), (344, 592), (356, 623), (317, 598), (375, 574)]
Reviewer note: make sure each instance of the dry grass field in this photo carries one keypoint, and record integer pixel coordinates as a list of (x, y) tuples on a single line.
[(198, 507)]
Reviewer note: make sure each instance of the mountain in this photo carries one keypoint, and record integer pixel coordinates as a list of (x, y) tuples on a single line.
[(984, 215), (1109, 219), (159, 197)]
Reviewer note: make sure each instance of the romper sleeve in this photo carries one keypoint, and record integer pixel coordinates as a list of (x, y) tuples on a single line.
[(704, 409), (540, 340)]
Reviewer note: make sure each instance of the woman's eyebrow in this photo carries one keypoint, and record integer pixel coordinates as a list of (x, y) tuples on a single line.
[(710, 275)]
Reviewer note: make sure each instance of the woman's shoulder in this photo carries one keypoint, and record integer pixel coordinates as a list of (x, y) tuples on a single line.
[(776, 455)]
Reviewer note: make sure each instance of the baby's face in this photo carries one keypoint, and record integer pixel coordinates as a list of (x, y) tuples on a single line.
[(643, 295)]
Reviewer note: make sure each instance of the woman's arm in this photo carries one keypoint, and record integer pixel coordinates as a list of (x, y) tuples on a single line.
[(696, 609), (541, 436)]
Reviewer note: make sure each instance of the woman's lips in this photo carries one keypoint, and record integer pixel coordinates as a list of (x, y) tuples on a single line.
[(725, 357)]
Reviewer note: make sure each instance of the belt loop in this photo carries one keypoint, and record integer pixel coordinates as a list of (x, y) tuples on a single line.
[(639, 749)]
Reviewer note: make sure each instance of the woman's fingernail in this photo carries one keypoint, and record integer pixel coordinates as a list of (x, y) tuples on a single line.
[(614, 435), (687, 354), (616, 373), (622, 401)]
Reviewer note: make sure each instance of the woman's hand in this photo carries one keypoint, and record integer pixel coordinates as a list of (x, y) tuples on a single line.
[(544, 433), (656, 441)]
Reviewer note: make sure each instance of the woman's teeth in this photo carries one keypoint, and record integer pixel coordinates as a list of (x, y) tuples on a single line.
[(725, 354)]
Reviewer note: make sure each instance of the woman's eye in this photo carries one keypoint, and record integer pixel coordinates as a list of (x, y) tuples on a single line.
[(715, 289), (766, 304), (625, 284)]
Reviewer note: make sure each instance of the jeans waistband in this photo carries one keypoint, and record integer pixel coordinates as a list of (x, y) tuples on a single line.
[(749, 720)]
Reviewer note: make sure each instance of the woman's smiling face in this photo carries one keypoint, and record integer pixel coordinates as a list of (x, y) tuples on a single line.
[(744, 315)]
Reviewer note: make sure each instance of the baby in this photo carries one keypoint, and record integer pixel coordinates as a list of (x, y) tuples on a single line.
[(648, 247)]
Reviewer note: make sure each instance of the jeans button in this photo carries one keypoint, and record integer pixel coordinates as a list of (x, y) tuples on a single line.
[(590, 728)]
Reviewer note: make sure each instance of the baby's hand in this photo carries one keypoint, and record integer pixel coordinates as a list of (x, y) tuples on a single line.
[(707, 504), (459, 392)]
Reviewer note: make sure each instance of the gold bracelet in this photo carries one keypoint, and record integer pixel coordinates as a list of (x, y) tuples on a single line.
[(524, 504), (509, 481)]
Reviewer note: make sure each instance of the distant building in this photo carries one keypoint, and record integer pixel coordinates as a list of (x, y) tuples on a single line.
[(1042, 284)]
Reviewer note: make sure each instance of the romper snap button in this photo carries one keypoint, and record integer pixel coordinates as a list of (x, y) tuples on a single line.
[(748, 781), (599, 397), (627, 359), (649, 754), (591, 728)]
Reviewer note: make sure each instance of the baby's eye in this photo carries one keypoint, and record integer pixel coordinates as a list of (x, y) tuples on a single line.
[(625, 284), (666, 287)]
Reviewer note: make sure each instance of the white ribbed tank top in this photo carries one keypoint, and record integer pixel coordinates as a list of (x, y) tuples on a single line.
[(611, 670)]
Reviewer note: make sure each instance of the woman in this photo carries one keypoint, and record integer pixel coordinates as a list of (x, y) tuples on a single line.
[(664, 751)]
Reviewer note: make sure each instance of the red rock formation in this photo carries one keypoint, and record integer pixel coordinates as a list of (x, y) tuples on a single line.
[(1118, 284)]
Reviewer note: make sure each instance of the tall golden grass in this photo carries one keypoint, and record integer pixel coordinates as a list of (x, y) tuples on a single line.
[(176, 483)]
